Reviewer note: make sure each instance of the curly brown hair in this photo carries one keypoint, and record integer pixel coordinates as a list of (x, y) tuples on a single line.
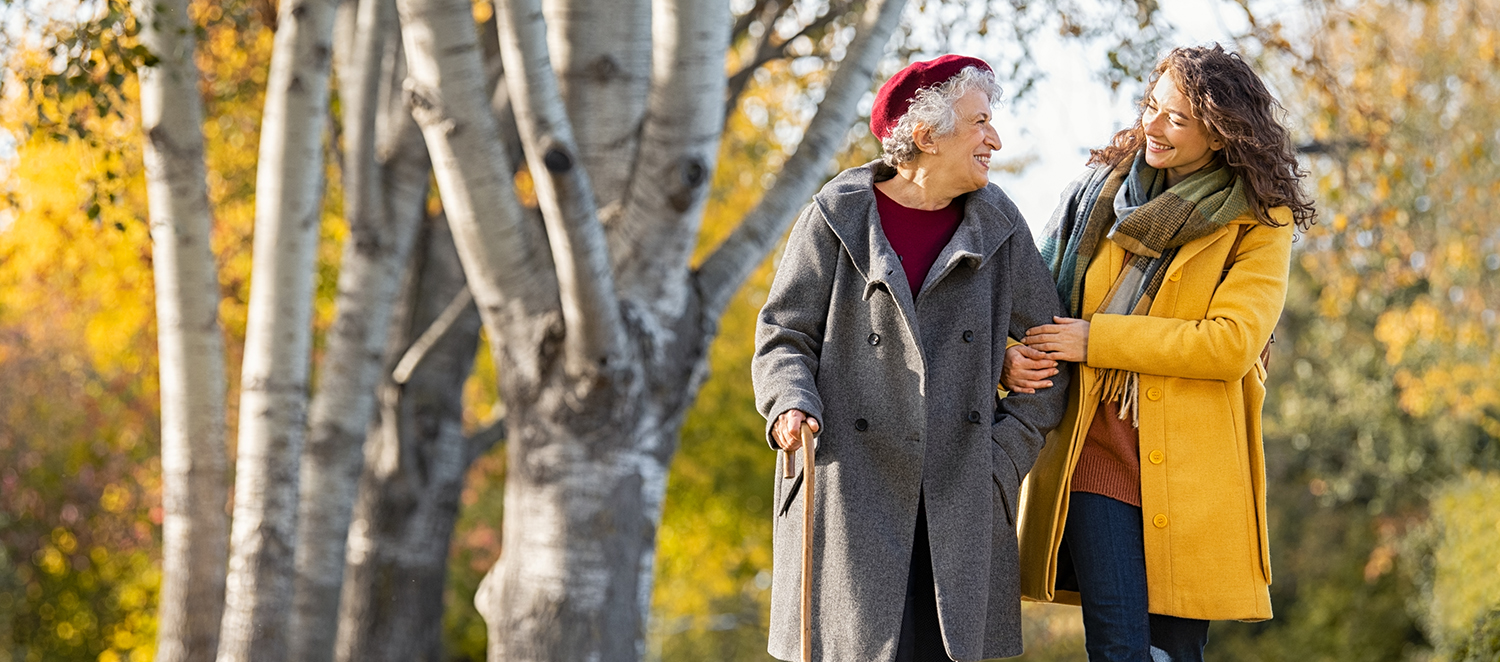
[(1236, 106)]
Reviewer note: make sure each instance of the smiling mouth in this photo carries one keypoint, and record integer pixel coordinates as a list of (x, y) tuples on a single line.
[(1154, 146), (983, 160)]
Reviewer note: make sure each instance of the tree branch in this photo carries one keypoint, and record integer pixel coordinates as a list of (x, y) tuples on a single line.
[(765, 52), (742, 24), (511, 277), (595, 328), (654, 237), (721, 274), (440, 327)]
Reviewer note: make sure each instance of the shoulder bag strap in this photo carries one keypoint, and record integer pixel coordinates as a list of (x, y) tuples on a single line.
[(1234, 250)]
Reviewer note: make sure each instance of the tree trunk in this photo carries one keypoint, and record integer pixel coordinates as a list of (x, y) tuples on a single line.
[(385, 181), (591, 436), (583, 496), (278, 334), (416, 460), (195, 527), (588, 461), (602, 55), (504, 254)]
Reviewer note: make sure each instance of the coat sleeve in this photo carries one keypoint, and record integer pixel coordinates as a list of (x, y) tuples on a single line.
[(1022, 420), (1225, 343), (789, 331)]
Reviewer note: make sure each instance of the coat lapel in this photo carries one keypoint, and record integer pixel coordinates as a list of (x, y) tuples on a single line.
[(975, 240), (848, 206), (1196, 246)]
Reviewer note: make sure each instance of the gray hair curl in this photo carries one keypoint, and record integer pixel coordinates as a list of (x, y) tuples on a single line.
[(933, 107)]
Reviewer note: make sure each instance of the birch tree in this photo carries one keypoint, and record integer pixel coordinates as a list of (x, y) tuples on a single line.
[(598, 319), (385, 184), (598, 323), (274, 375), (415, 462), (195, 527)]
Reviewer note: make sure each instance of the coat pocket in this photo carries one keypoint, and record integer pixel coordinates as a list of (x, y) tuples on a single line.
[(1007, 482), (791, 495), (1254, 385)]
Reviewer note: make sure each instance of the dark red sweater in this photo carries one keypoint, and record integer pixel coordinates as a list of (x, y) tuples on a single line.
[(917, 235)]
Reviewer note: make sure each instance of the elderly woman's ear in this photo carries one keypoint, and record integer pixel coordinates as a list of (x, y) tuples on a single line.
[(922, 136)]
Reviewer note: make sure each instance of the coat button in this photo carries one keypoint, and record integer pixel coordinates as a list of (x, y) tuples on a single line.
[(1156, 457), (1153, 394), (1176, 276), (1160, 521), (968, 336), (861, 424), (973, 416), (874, 339)]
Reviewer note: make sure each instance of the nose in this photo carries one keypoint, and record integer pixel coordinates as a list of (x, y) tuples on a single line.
[(1151, 123), (991, 137)]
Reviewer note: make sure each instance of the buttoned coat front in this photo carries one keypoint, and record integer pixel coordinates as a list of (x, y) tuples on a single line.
[(904, 389), (1203, 489)]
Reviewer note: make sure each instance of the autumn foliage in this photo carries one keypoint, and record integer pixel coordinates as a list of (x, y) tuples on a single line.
[(1383, 423)]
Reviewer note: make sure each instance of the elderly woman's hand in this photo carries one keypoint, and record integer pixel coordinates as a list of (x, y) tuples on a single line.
[(1067, 340), (1026, 369), (788, 427)]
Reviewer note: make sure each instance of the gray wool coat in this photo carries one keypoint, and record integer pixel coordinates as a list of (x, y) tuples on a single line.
[(904, 389)]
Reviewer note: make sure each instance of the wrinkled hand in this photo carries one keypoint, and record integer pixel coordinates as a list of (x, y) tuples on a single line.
[(1026, 369), (1067, 340), (788, 427)]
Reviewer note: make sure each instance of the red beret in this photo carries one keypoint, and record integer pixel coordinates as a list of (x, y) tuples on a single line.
[(896, 94)]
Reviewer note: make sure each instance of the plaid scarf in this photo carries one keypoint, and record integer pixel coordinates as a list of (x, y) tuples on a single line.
[(1151, 222)]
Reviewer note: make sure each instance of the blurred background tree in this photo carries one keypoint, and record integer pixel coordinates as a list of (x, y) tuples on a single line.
[(1384, 401)]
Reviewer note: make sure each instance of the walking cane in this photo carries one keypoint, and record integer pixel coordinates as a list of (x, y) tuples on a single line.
[(807, 538)]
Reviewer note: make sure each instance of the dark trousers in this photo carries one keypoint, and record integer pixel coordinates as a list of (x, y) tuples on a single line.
[(1104, 539), (921, 636)]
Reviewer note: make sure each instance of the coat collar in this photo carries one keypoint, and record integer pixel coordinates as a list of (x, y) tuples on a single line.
[(848, 205)]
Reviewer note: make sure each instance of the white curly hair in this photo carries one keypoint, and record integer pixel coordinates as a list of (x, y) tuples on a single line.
[(933, 108)]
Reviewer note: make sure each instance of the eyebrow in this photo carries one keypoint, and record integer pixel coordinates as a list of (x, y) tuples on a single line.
[(1152, 99)]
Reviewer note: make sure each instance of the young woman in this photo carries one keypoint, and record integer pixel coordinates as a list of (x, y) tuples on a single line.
[(1147, 505)]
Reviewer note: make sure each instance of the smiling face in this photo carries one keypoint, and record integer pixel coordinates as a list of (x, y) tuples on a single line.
[(1176, 140), (961, 159)]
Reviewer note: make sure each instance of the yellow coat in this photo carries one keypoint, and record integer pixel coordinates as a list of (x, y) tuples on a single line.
[(1203, 487)]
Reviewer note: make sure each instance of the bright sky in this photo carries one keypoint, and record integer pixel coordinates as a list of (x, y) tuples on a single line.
[(1073, 110)]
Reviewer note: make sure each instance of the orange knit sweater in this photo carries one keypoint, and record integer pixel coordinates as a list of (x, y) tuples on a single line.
[(1110, 463)]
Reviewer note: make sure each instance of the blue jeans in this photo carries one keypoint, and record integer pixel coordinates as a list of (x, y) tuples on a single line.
[(1104, 542)]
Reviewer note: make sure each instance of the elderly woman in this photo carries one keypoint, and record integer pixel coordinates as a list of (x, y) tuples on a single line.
[(885, 331)]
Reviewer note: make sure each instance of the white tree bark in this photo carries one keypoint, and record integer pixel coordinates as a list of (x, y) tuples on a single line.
[(595, 339), (195, 485), (416, 459), (274, 376), (588, 462), (726, 268), (593, 417), (385, 186), (602, 55), (679, 150), (504, 255)]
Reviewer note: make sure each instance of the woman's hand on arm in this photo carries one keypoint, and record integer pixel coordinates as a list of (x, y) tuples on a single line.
[(1026, 369), (1067, 339), (788, 427)]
